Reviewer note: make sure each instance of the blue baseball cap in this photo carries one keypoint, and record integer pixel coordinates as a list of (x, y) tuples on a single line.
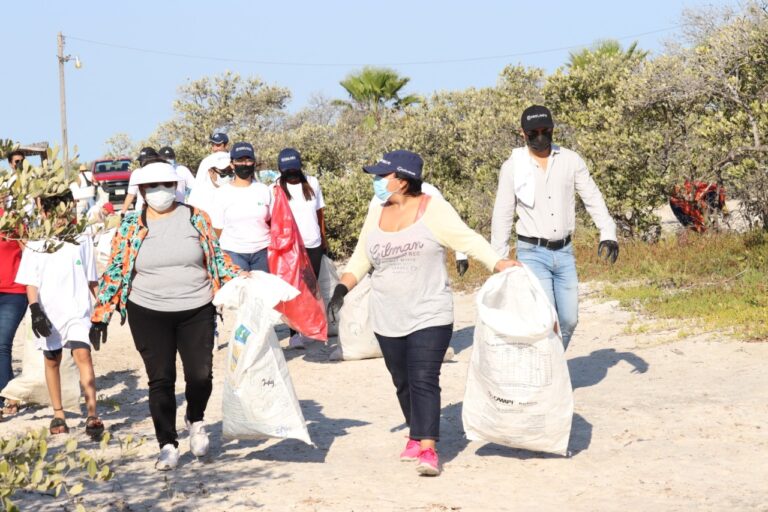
[(219, 138), (405, 163), (242, 150), (289, 159)]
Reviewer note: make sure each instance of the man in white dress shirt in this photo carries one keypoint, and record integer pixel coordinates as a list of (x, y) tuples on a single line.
[(538, 183)]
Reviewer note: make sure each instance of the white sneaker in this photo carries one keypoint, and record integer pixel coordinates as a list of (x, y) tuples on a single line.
[(198, 438), (296, 341), (168, 459)]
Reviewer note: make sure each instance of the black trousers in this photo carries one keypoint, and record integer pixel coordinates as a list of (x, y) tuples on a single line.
[(414, 363), (158, 335), (316, 258)]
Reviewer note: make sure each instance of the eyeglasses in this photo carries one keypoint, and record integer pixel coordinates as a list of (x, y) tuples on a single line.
[(16, 162), (166, 184)]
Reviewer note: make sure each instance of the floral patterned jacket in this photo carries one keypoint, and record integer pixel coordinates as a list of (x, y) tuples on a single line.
[(115, 283)]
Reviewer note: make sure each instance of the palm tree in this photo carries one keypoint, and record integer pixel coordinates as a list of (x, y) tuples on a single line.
[(605, 48), (374, 89)]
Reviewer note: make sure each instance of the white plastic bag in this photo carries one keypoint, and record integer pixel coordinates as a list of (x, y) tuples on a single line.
[(356, 336), (259, 400), (327, 281), (30, 387), (518, 387)]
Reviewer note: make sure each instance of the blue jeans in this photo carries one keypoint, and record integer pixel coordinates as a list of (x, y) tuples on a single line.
[(414, 363), (253, 261), (556, 271), (12, 309)]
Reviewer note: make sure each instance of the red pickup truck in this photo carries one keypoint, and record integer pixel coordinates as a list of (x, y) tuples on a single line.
[(112, 176)]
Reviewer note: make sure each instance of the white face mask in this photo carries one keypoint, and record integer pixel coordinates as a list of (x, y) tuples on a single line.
[(160, 198), (223, 180)]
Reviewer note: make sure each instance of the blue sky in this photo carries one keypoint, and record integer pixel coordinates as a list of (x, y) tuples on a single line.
[(120, 90)]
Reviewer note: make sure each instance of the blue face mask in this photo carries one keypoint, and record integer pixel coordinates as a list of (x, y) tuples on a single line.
[(380, 189)]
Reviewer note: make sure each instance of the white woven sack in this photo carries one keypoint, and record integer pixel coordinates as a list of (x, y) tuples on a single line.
[(356, 336), (259, 399), (518, 390), (30, 387)]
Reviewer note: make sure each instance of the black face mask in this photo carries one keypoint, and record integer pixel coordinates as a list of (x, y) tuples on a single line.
[(541, 142), (245, 171), (292, 176)]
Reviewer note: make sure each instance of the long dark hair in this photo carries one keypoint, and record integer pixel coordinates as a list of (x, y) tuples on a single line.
[(306, 188)]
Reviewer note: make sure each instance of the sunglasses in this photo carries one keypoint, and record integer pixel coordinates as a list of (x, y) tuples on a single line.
[(224, 173), (532, 134), (166, 184)]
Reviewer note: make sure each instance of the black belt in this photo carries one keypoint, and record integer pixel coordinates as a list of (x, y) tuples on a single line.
[(552, 245)]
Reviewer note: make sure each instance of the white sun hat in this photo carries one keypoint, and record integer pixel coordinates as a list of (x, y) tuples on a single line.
[(220, 160), (158, 172)]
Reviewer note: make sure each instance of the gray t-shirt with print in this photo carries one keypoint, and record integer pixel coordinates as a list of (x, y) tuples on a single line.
[(409, 285), (170, 272)]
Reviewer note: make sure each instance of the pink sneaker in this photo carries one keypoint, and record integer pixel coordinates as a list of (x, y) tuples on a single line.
[(411, 452), (428, 463)]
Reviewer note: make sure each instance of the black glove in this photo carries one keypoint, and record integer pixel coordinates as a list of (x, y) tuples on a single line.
[(41, 326), (337, 300), (98, 334), (462, 266), (611, 248)]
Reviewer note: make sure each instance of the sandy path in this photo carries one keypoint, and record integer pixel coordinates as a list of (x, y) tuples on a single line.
[(660, 424)]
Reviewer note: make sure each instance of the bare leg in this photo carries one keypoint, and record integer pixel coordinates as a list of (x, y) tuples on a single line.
[(53, 381), (82, 357)]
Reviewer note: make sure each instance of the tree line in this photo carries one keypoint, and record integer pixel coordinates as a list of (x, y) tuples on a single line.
[(643, 123)]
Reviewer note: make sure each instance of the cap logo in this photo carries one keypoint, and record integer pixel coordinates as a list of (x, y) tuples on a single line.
[(535, 116), (406, 171), (287, 158), (385, 162)]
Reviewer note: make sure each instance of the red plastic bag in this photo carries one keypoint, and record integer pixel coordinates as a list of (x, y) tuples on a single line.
[(288, 259)]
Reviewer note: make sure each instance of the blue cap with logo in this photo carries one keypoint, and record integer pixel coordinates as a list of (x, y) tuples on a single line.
[(405, 163), (242, 150), (219, 138), (289, 159)]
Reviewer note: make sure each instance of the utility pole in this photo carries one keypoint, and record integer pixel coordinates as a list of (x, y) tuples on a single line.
[(63, 104)]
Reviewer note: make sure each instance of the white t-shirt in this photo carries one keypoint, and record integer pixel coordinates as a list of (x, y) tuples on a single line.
[(305, 211), (431, 191), (62, 281), (243, 214), (186, 175)]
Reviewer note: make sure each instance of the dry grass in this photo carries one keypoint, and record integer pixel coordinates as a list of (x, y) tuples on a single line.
[(718, 280)]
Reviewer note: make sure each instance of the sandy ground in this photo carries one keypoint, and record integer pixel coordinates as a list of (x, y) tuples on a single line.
[(660, 423)]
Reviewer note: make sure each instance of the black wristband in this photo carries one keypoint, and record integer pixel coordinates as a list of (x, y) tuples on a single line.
[(35, 308)]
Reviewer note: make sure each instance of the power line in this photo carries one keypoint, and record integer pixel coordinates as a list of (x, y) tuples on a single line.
[(340, 64)]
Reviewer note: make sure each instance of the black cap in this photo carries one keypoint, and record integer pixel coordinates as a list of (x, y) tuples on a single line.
[(535, 117), (168, 153), (146, 153)]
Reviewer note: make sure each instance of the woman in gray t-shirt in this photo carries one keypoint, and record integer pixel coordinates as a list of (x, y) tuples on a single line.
[(165, 266), (403, 240)]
